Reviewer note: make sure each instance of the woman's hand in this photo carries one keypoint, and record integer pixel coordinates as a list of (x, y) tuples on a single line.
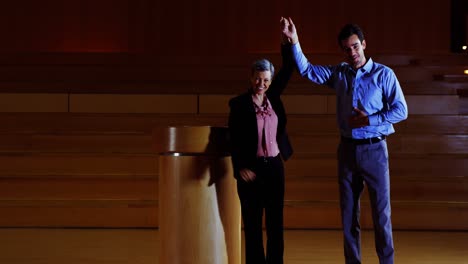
[(247, 175)]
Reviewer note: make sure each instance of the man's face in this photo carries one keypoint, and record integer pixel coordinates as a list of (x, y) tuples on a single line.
[(354, 51), (260, 81)]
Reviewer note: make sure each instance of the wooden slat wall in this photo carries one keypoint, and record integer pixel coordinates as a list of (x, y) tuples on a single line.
[(107, 163), (83, 84), (81, 157), (241, 27)]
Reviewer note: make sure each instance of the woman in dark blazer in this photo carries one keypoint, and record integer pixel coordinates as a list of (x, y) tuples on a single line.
[(257, 126)]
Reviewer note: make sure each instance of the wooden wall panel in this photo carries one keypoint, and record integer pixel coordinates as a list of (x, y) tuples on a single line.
[(81, 143), (192, 27), (305, 104), (79, 214), (413, 167), (192, 103), (405, 216), (13, 102), (74, 166), (73, 26), (448, 190), (215, 103), (115, 103), (101, 170), (64, 189), (432, 104), (101, 162), (434, 124), (119, 62)]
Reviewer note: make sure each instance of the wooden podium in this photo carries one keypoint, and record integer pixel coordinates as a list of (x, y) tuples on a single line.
[(199, 210)]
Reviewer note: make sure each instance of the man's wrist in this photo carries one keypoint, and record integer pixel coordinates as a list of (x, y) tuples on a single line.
[(294, 40)]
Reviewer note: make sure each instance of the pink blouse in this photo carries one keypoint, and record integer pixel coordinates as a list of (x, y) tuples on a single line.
[(267, 123)]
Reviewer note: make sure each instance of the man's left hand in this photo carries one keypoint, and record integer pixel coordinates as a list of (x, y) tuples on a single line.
[(359, 120)]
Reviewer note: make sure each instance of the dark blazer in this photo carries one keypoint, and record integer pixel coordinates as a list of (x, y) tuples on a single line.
[(243, 119)]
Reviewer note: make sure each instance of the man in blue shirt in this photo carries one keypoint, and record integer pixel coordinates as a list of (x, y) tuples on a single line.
[(369, 100)]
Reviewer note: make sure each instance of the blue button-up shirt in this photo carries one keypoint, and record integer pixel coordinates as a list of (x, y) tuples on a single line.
[(373, 88)]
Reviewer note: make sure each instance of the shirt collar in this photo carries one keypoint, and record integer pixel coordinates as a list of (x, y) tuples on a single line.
[(368, 66)]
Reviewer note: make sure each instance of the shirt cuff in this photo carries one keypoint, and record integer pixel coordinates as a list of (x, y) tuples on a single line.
[(296, 48)]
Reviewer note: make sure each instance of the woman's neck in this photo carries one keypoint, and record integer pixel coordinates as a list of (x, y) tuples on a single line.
[(259, 98)]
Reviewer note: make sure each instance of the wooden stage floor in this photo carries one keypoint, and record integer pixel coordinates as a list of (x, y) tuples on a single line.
[(140, 246)]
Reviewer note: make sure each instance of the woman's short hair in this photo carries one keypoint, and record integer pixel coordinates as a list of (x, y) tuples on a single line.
[(263, 65)]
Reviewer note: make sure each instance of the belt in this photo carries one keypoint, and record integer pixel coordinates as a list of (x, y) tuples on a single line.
[(363, 141), (266, 159)]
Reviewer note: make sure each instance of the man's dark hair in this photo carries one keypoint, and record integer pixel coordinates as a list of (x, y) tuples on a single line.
[(348, 30)]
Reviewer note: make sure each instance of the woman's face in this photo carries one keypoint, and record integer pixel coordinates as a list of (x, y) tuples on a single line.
[(260, 81)]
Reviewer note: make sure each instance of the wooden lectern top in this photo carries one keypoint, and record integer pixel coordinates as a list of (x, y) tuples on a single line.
[(191, 140)]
